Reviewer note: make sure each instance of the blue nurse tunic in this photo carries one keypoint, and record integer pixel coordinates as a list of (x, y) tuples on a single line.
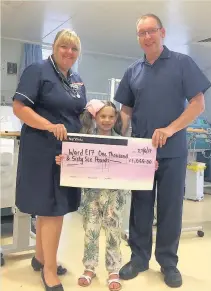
[(43, 88)]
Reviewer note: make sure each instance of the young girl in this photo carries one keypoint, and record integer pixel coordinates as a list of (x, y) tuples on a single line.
[(101, 207)]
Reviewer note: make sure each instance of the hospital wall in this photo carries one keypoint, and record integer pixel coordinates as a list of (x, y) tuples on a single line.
[(10, 52), (207, 112), (201, 53), (96, 69)]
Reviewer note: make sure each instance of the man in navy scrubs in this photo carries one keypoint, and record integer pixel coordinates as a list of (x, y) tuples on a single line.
[(153, 92)]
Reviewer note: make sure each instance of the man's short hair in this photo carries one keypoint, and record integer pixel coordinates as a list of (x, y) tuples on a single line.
[(159, 22)]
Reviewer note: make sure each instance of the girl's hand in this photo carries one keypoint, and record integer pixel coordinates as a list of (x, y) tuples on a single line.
[(59, 159), (156, 165)]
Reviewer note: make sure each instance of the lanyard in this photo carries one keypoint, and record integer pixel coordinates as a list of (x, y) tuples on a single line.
[(69, 88)]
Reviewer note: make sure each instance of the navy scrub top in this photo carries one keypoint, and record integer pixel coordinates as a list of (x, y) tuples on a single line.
[(157, 93), (43, 88)]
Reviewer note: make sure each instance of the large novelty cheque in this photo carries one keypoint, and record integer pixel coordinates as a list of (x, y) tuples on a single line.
[(107, 162)]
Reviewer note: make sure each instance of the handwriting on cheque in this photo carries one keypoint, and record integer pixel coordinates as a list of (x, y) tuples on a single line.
[(85, 156)]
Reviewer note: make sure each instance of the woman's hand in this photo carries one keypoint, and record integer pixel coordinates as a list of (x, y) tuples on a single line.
[(59, 159), (58, 130)]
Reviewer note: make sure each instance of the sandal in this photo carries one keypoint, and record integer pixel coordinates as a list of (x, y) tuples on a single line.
[(114, 280), (88, 279)]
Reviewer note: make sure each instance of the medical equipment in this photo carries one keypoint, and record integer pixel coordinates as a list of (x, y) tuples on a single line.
[(97, 95), (199, 135), (199, 142), (194, 189), (10, 135)]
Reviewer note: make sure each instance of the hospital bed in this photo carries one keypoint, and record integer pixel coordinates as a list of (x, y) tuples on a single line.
[(10, 136)]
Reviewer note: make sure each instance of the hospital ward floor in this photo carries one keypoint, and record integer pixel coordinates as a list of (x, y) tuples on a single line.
[(194, 253)]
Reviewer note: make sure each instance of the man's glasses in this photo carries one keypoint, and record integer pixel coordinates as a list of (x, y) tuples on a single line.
[(150, 32)]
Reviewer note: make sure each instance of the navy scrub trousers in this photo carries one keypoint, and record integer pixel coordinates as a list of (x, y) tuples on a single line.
[(157, 95), (43, 88), (169, 180)]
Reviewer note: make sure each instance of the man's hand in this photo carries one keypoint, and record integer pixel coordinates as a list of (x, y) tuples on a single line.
[(160, 136)]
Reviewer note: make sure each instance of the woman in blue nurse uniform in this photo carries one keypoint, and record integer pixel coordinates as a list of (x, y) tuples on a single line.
[(49, 100)]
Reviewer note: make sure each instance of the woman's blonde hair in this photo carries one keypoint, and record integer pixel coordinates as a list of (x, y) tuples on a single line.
[(67, 36)]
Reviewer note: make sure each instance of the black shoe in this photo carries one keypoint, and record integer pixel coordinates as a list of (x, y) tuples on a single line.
[(129, 271), (53, 288), (37, 266), (172, 277)]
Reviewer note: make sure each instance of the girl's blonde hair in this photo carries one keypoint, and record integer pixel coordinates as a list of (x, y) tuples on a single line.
[(67, 36)]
